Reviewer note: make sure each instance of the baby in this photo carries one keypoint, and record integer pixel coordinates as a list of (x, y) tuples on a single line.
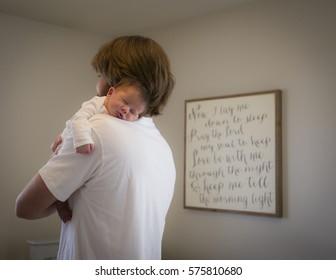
[(125, 101)]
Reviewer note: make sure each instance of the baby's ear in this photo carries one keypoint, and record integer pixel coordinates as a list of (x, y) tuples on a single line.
[(110, 91)]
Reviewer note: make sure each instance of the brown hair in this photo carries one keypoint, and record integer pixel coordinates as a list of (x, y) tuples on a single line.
[(139, 59)]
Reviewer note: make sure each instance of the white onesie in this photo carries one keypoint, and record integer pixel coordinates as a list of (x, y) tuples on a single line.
[(79, 124)]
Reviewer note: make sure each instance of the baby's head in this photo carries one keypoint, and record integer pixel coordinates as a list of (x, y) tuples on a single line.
[(138, 59), (126, 101)]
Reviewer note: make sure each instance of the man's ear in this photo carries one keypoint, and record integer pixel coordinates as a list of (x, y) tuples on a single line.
[(110, 91)]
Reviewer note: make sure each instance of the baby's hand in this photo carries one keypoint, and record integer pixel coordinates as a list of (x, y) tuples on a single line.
[(84, 149)]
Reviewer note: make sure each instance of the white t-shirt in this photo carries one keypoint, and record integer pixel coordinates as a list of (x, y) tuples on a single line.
[(120, 193)]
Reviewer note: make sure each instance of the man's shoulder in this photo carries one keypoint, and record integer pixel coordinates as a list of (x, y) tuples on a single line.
[(102, 120)]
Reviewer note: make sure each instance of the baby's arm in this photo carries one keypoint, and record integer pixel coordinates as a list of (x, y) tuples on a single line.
[(81, 127)]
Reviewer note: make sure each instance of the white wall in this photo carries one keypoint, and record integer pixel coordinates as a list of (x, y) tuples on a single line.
[(45, 75), (288, 45), (282, 44)]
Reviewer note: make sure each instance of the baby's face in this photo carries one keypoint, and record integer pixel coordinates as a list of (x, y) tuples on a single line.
[(125, 102)]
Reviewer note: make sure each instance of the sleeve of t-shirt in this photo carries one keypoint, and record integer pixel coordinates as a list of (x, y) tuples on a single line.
[(66, 172)]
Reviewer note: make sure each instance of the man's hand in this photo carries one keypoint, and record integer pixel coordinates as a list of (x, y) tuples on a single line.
[(55, 146)]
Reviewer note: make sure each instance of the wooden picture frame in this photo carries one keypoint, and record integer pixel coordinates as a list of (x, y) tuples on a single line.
[(233, 153)]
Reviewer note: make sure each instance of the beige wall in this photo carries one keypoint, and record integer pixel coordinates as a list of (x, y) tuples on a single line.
[(282, 44), (288, 45), (45, 74)]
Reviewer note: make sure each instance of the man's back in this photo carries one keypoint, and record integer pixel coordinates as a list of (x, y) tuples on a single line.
[(120, 211)]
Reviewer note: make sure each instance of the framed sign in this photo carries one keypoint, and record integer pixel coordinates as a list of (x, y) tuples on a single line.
[(233, 155)]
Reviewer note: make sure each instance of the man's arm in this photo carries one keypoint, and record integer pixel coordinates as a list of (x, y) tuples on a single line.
[(35, 201)]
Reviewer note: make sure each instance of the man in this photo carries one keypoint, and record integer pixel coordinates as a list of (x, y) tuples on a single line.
[(120, 193)]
